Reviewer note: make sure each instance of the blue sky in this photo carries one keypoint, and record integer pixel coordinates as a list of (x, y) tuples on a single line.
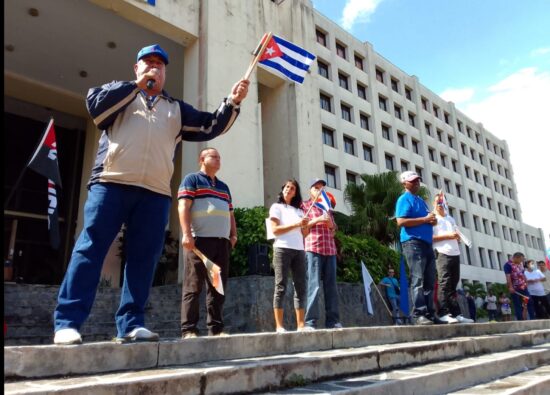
[(490, 57)]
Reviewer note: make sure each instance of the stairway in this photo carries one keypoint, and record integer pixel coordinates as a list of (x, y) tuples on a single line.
[(489, 358)]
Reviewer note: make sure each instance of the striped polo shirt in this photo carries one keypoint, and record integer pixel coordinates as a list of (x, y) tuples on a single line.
[(210, 211)]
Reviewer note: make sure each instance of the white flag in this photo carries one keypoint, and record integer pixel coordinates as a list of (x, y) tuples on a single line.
[(367, 281)]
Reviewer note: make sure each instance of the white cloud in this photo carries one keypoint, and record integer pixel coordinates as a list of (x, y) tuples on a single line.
[(458, 96), (357, 10), (516, 109), (540, 51)]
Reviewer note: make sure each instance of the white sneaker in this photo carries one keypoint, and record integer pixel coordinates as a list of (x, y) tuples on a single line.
[(280, 330), (448, 319), (141, 334), (463, 320), (306, 329), (67, 336)]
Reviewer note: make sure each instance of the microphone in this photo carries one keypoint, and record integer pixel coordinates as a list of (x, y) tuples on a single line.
[(150, 83)]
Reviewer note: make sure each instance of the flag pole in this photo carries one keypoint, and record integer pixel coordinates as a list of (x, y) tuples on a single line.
[(258, 52), (383, 301), (14, 188), (313, 203)]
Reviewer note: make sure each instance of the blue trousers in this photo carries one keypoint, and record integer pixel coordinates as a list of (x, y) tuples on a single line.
[(108, 206), (518, 307), (321, 268), (421, 260)]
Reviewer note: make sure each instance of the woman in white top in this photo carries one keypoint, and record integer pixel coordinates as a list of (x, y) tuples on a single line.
[(535, 278), (289, 227)]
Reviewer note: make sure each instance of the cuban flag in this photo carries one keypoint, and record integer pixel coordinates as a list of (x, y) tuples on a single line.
[(367, 283), (442, 200), (323, 201), (286, 59)]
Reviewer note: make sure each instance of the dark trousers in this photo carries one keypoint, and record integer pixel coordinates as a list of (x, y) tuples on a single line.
[(542, 307), (448, 273), (195, 276)]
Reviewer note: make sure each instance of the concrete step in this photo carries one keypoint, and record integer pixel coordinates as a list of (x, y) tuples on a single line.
[(103, 357), (253, 374), (497, 371)]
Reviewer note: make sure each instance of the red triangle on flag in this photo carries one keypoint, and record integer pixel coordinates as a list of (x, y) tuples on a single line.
[(271, 51)]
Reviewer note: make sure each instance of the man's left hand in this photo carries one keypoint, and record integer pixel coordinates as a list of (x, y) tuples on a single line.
[(239, 91)]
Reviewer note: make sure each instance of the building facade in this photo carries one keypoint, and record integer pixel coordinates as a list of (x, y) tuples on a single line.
[(355, 113)]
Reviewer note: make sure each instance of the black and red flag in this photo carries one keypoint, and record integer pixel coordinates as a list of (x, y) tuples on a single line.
[(44, 162)]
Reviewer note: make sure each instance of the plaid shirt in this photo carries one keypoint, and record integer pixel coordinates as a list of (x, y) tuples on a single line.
[(320, 239)]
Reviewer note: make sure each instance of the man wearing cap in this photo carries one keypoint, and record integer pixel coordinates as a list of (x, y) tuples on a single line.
[(130, 184), (416, 223), (321, 261)]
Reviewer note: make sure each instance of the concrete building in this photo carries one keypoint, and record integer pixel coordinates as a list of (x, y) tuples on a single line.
[(355, 113)]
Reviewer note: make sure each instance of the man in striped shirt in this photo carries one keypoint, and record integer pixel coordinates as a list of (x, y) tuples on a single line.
[(207, 223)]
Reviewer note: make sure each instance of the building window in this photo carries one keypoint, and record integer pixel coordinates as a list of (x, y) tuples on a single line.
[(459, 125), (343, 80), (367, 153), (424, 103), (321, 37), (458, 188), (328, 137), (504, 232), (359, 62), (514, 213), (468, 132), (383, 103), (330, 176), (482, 159), (485, 182), (499, 169), (455, 165), (395, 85), (436, 111), (476, 223), (349, 145), (447, 184), (492, 259), (495, 228), (463, 148), (379, 75), (341, 50), (402, 140), (389, 162), (362, 91), (397, 110), (446, 117), (346, 112), (405, 165), (431, 153), (386, 132), (451, 140), (440, 135), (443, 158), (472, 196), (490, 203), (467, 171), (418, 171), (463, 219), (415, 147), (480, 199), (476, 176), (435, 180), (364, 121), (412, 119), (351, 178), (323, 69), (499, 204), (477, 137), (473, 153), (325, 102), (492, 164), (408, 93), (428, 128), (482, 256)]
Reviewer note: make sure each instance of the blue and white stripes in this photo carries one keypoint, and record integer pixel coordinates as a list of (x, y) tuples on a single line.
[(294, 62)]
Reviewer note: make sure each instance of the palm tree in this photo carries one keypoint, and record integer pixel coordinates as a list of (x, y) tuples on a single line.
[(373, 205)]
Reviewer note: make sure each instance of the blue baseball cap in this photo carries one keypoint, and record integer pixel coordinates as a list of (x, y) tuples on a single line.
[(153, 50)]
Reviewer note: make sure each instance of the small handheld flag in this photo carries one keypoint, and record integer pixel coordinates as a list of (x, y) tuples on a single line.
[(323, 201), (212, 270), (367, 282), (286, 59)]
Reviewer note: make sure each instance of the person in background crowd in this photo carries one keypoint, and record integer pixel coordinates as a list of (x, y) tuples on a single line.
[(505, 307), (546, 284), (517, 285), (491, 301), (392, 293), (471, 306), (535, 280)]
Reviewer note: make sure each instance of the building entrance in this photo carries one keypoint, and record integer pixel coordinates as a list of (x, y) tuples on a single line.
[(26, 236)]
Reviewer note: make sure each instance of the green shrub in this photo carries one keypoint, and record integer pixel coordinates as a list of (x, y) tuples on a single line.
[(250, 230)]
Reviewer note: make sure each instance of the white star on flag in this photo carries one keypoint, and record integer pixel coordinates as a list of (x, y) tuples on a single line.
[(270, 51)]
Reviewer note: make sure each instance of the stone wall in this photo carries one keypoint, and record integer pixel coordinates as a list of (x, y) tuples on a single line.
[(28, 310)]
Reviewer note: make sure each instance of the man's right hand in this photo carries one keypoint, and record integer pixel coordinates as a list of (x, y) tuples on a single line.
[(188, 242), (431, 219)]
